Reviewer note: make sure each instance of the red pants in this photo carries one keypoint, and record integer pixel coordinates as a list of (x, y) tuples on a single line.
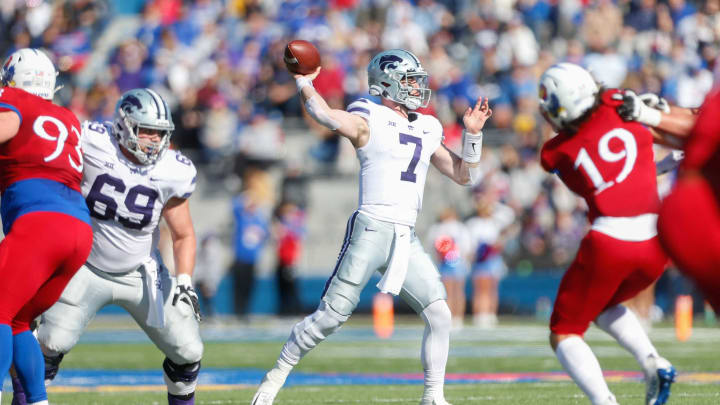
[(38, 257), (689, 230), (605, 272)]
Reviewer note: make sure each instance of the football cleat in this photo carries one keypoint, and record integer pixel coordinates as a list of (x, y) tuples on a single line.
[(659, 376), (263, 398), (266, 392), (434, 401)]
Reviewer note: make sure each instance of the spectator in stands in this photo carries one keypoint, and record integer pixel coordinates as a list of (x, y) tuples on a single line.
[(251, 232), (288, 230), (488, 227), (450, 241)]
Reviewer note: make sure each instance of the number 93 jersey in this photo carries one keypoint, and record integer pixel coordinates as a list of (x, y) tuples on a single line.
[(608, 162), (47, 144), (125, 199), (395, 161)]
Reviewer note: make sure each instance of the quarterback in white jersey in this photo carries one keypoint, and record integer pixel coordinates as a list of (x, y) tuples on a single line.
[(395, 145), (130, 180)]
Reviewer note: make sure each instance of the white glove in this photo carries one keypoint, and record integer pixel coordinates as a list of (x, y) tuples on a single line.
[(654, 101), (634, 109), (185, 292)]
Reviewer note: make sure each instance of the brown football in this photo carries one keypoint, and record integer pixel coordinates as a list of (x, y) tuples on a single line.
[(301, 57)]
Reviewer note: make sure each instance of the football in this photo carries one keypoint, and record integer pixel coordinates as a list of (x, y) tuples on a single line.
[(301, 57)]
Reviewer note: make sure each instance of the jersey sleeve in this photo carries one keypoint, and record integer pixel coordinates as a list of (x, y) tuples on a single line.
[(705, 137), (183, 176), (10, 101), (549, 155), (360, 107)]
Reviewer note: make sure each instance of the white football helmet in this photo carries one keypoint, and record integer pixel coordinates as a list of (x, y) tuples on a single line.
[(31, 70), (390, 74), (566, 92), (143, 108)]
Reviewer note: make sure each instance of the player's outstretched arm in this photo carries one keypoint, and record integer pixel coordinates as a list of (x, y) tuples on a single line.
[(465, 170), (346, 124), (669, 124), (182, 232), (9, 125)]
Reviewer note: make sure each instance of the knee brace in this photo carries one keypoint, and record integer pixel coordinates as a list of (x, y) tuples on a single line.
[(180, 379)]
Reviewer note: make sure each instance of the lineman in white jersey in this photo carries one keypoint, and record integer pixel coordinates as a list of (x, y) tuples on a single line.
[(395, 146), (130, 180)]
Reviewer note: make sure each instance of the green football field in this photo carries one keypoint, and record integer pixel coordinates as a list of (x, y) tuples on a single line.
[(517, 348)]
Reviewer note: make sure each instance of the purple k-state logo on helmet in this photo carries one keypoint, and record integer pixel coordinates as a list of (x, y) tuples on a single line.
[(131, 103), (389, 61)]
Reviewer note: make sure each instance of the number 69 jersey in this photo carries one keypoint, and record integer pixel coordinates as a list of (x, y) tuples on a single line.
[(608, 162), (395, 161), (126, 200)]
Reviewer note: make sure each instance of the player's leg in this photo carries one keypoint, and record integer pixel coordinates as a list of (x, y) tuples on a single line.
[(364, 250), (424, 292), (179, 338), (622, 324), (62, 257), (585, 291), (61, 325)]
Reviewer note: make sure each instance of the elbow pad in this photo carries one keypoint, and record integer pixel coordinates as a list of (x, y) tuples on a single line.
[(472, 147), (322, 117)]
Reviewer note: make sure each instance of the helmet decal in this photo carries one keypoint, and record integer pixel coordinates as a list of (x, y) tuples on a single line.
[(390, 61), (130, 103)]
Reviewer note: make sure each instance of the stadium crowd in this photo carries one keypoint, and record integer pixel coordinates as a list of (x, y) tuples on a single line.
[(219, 64)]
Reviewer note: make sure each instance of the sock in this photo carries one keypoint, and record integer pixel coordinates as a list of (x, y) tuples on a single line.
[(581, 364), (622, 324), (435, 347), (18, 392), (306, 335), (6, 350), (30, 366)]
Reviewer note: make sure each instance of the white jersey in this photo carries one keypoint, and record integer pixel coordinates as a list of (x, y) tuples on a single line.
[(126, 200), (394, 162)]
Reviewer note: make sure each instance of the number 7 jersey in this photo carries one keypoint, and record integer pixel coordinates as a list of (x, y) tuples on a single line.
[(125, 199), (395, 161), (608, 162)]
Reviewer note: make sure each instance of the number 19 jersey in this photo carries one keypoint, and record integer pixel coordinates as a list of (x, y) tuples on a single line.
[(126, 200), (608, 162), (395, 161)]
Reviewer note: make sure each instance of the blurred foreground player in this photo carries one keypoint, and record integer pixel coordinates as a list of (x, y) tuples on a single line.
[(690, 215), (609, 162), (45, 220)]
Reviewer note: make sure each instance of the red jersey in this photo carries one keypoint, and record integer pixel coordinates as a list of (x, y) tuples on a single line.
[(702, 147), (47, 145), (608, 162)]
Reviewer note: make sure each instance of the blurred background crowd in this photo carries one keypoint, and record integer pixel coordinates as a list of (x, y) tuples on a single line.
[(219, 65)]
